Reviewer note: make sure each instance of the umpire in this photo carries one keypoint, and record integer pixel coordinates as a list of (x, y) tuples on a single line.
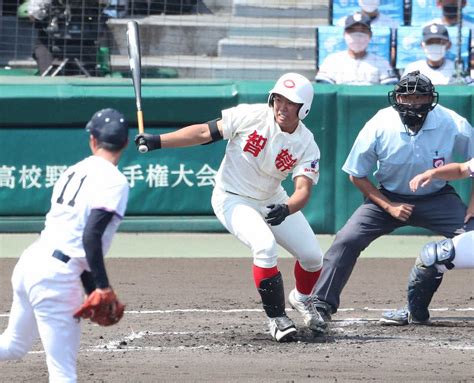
[(413, 135)]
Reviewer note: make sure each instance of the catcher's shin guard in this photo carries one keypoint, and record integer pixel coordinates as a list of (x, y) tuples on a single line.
[(422, 284), (273, 296)]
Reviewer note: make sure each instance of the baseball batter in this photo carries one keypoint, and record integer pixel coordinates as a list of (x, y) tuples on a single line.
[(435, 257), (266, 142), (87, 205), (399, 142)]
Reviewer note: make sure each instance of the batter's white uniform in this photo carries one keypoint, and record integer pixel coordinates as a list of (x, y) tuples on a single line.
[(259, 156), (46, 290), (341, 68)]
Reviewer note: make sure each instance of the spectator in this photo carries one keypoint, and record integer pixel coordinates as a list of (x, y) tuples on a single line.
[(436, 66), (450, 14), (370, 8), (355, 65), (38, 11), (67, 30), (450, 19)]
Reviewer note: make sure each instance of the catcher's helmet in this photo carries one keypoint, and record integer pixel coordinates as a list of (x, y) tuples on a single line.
[(295, 88), (414, 83), (109, 126)]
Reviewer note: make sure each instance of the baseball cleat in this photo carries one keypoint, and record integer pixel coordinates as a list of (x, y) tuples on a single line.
[(401, 317), (282, 328), (311, 316), (395, 318)]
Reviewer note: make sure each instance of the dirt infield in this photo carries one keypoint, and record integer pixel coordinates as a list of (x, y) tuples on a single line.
[(192, 320)]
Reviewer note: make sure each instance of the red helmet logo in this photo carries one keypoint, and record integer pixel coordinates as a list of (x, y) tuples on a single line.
[(289, 84)]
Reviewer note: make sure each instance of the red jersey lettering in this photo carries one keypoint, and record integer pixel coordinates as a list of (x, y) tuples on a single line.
[(255, 144), (284, 160)]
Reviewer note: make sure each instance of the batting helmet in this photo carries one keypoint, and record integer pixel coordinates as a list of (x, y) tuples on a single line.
[(109, 126), (414, 83), (295, 88)]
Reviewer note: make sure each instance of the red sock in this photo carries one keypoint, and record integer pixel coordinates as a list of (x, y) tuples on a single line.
[(305, 280), (259, 274)]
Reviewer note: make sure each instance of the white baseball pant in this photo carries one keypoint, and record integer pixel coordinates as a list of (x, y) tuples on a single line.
[(46, 292), (244, 218), (464, 246)]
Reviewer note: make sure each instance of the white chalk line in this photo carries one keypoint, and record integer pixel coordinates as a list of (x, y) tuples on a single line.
[(121, 345), (206, 311), (287, 309)]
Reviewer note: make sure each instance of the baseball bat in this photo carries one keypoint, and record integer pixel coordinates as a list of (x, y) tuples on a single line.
[(134, 56)]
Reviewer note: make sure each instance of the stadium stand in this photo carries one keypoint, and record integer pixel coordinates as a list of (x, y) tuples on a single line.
[(235, 39)]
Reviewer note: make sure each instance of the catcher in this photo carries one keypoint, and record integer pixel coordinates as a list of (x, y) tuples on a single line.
[(435, 258), (87, 204)]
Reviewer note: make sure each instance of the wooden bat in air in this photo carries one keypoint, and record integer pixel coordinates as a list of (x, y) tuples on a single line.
[(134, 57)]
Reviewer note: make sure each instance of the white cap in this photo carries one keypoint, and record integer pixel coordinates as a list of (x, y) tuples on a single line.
[(295, 88)]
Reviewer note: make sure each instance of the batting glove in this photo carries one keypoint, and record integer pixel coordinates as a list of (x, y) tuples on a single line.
[(151, 141), (277, 214)]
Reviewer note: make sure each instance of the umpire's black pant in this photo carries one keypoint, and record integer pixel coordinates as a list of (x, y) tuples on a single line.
[(442, 212)]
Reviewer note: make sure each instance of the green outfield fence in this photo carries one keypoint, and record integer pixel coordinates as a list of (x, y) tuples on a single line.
[(42, 132)]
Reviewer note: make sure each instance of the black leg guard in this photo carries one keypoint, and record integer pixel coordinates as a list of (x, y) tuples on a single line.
[(273, 296), (423, 283)]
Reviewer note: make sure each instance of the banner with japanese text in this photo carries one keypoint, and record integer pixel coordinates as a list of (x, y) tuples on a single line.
[(172, 181)]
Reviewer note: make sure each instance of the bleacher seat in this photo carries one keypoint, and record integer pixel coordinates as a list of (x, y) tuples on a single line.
[(343, 8), (330, 39), (423, 11), (408, 45)]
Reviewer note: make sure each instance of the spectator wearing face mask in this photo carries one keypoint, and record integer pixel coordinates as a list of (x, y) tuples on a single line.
[(436, 66), (370, 8), (356, 66), (449, 16)]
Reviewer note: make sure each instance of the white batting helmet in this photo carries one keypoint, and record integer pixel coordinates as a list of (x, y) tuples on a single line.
[(295, 88)]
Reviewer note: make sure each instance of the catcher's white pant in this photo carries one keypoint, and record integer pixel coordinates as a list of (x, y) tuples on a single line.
[(464, 247), (46, 292), (244, 218)]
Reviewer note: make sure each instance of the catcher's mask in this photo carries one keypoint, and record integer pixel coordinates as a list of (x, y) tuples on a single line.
[(413, 113), (295, 88)]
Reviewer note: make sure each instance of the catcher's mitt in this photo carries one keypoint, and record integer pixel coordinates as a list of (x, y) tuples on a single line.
[(101, 307)]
